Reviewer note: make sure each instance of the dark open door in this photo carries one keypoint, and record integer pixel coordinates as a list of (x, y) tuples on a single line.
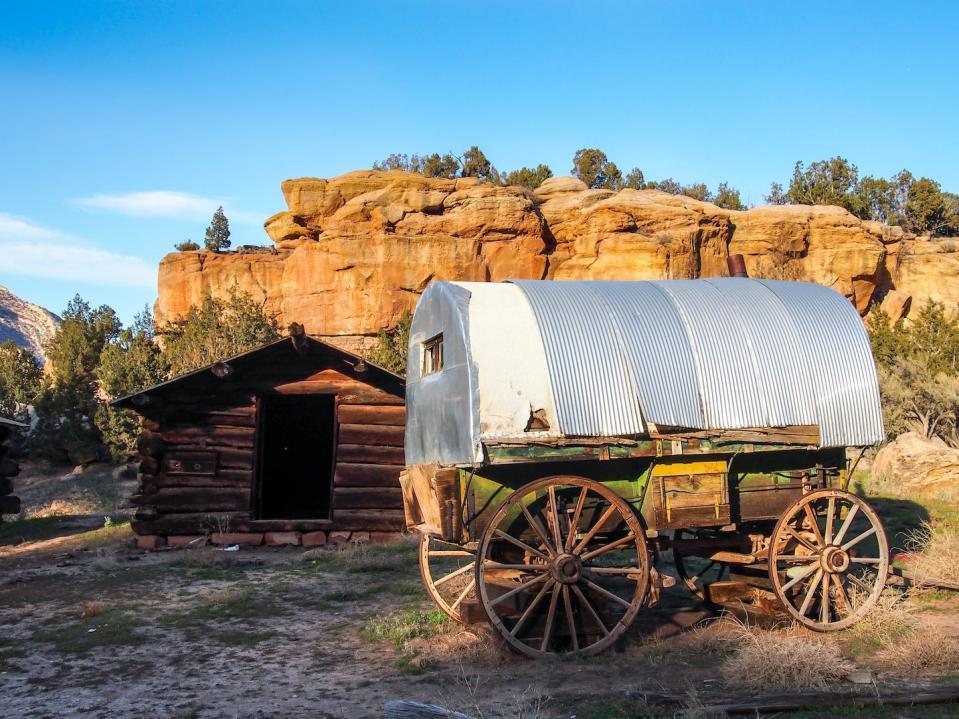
[(295, 467)]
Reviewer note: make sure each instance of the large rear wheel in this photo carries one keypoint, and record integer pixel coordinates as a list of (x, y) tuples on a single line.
[(562, 567)]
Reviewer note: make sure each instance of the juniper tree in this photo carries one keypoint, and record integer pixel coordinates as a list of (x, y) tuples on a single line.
[(218, 233)]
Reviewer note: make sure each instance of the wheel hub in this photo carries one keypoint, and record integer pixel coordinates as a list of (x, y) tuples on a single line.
[(567, 568), (834, 560)]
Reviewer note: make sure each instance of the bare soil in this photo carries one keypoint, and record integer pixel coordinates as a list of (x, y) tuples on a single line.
[(94, 628)]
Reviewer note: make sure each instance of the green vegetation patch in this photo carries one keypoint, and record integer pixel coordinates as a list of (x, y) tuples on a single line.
[(109, 629)]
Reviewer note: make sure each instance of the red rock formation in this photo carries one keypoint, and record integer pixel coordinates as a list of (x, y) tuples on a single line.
[(353, 252)]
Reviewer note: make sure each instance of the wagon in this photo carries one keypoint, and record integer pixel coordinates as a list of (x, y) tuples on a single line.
[(574, 446)]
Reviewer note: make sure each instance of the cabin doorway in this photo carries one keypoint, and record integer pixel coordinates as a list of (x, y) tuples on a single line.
[(295, 467)]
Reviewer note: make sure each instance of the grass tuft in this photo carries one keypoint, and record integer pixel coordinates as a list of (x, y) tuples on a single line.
[(936, 553), (785, 660)]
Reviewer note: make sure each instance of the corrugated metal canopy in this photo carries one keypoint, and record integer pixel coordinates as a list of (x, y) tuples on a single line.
[(725, 353)]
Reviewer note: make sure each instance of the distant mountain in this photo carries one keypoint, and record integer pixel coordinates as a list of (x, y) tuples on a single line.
[(26, 324)]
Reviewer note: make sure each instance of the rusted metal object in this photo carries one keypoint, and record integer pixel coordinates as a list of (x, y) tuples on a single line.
[(737, 266)]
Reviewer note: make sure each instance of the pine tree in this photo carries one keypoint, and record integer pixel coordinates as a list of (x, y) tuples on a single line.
[(218, 233)]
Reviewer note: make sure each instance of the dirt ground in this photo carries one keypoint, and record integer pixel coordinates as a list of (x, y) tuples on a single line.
[(93, 628)]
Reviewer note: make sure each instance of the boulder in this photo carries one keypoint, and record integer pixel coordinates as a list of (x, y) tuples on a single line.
[(918, 465), (896, 305)]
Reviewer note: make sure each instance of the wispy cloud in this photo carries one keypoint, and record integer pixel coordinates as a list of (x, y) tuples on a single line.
[(164, 203), (32, 250), (20, 228)]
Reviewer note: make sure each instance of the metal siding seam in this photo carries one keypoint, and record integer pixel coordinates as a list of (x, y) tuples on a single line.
[(781, 369), (842, 366), (722, 355), (658, 352), (590, 383)]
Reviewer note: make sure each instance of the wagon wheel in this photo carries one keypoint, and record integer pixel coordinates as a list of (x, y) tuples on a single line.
[(695, 571), (562, 567), (447, 572), (828, 559)]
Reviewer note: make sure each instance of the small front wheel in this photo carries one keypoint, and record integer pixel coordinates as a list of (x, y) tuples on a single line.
[(447, 572), (828, 559), (562, 567)]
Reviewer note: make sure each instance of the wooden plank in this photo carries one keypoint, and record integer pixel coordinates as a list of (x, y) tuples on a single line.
[(372, 434), (370, 455), (179, 434), (347, 392), (377, 520), (372, 414), (9, 468), (349, 474), (199, 499), (223, 478), (367, 498), (6, 485)]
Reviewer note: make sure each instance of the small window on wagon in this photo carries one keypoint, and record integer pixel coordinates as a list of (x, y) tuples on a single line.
[(432, 355)]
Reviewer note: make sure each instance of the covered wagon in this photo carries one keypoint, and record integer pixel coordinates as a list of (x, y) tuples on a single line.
[(570, 446)]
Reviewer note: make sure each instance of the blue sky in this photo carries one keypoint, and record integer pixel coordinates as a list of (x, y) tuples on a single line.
[(123, 125)]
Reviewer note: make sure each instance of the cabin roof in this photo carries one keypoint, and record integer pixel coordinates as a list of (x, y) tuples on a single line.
[(277, 348)]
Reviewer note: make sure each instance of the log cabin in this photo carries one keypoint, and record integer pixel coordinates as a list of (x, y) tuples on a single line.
[(294, 442), (9, 504)]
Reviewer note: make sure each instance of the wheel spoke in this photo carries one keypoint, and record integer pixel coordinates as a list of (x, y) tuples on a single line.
[(608, 547), (595, 528), (712, 563), (606, 593), (531, 608), (853, 542), (512, 592), (865, 560), (554, 517), (797, 558), (798, 578), (824, 602), (830, 509), (589, 608), (519, 543), (843, 595), (574, 524), (846, 524), (614, 571), (814, 523), (570, 622), (534, 524), (491, 565), (463, 594), (550, 617), (452, 575), (811, 592), (802, 540), (449, 553), (859, 583)]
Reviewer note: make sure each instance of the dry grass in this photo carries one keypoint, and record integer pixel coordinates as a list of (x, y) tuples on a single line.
[(936, 554), (78, 506), (91, 609), (887, 621), (788, 659), (921, 651)]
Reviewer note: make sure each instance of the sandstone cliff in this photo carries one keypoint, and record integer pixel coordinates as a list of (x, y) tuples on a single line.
[(353, 252), (26, 324)]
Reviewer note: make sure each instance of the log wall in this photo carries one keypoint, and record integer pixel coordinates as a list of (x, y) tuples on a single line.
[(9, 504), (366, 495)]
